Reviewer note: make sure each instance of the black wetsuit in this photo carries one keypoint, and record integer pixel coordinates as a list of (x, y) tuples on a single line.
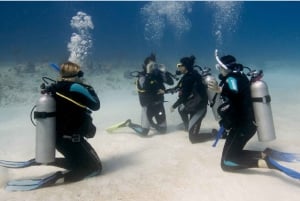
[(73, 124), (152, 103), (239, 118), (192, 105)]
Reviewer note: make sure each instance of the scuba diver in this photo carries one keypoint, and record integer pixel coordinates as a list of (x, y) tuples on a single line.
[(192, 100), (237, 117), (74, 102), (63, 122), (151, 89), (150, 86)]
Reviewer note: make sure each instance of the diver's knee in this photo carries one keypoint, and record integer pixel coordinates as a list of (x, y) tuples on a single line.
[(145, 131), (228, 168), (94, 170)]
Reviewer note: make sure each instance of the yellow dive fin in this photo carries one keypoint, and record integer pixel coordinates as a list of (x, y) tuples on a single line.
[(119, 125)]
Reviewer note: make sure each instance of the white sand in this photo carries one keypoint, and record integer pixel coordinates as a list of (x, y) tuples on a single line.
[(161, 167)]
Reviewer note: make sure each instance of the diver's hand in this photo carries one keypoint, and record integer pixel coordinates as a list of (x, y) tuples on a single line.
[(160, 91), (214, 86), (171, 90), (172, 109)]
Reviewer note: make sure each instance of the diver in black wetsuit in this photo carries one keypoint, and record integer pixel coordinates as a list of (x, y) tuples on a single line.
[(192, 100), (74, 102), (237, 117), (151, 89)]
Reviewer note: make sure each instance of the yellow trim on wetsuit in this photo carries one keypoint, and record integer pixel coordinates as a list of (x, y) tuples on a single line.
[(137, 88), (71, 100)]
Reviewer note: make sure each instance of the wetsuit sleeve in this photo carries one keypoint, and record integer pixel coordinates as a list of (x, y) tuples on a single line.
[(86, 95), (231, 86)]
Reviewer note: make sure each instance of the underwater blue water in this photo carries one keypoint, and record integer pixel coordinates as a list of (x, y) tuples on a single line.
[(254, 32)]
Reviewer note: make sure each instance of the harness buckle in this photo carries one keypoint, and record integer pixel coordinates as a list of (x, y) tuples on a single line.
[(74, 138)]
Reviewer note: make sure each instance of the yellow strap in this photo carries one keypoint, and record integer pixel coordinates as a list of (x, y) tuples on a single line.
[(137, 88), (71, 100)]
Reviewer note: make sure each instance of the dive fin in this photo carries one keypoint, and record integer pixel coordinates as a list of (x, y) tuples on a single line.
[(18, 164), (218, 136), (282, 156), (275, 165), (32, 184), (119, 125)]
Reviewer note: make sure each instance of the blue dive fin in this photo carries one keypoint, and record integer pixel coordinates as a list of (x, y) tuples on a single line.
[(218, 136), (282, 156), (18, 164), (275, 165), (32, 184)]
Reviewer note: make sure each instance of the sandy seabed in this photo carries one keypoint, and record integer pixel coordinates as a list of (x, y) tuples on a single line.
[(160, 167)]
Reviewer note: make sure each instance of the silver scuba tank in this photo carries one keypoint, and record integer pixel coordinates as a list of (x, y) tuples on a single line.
[(214, 98), (45, 129), (262, 108)]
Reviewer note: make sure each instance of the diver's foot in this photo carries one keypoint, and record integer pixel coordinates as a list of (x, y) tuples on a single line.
[(143, 134), (269, 162), (182, 127), (214, 132), (267, 151), (127, 122)]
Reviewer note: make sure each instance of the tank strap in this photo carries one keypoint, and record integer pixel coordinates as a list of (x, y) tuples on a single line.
[(264, 99), (43, 115)]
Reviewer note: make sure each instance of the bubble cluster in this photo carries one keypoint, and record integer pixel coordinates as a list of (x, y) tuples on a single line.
[(159, 14), (226, 16), (81, 40)]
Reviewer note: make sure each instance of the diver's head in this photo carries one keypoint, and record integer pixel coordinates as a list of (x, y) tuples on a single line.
[(185, 65), (70, 71), (148, 60), (227, 64)]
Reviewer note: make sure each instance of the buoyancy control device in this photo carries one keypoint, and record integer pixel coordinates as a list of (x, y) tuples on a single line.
[(45, 117), (261, 100)]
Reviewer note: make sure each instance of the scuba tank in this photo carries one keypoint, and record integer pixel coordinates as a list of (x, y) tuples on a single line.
[(214, 98), (262, 107), (45, 127)]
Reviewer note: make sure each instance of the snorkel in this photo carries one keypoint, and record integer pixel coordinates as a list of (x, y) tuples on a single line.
[(55, 67), (219, 61), (220, 66)]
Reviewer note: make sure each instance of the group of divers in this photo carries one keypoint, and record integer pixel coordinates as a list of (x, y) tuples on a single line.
[(240, 103)]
